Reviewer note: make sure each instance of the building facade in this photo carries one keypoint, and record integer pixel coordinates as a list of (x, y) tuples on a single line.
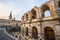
[(11, 24), (38, 27)]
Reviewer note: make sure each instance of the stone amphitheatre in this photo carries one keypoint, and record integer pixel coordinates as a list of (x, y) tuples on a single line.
[(36, 26)]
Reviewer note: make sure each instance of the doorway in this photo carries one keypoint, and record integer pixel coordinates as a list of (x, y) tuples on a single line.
[(49, 33)]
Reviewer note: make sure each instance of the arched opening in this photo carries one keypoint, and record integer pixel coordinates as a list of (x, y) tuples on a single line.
[(33, 14), (34, 33), (59, 5), (49, 33), (26, 16), (26, 31), (45, 11), (23, 18), (16, 36)]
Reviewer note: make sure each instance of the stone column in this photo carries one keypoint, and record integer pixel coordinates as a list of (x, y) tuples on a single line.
[(29, 16), (40, 13), (37, 13), (54, 7)]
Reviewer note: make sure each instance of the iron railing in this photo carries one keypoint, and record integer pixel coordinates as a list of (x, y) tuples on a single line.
[(23, 36)]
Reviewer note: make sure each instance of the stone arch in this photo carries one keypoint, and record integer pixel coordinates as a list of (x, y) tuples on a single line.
[(46, 7), (23, 18), (16, 36), (26, 16), (34, 32), (59, 5), (26, 31), (33, 11), (49, 33)]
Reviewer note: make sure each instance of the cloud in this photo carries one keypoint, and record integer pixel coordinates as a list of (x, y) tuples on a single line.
[(18, 7), (5, 8)]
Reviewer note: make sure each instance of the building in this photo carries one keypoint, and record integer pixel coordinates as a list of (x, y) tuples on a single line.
[(10, 24), (38, 27)]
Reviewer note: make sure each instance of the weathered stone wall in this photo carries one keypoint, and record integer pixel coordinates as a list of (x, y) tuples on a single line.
[(41, 22)]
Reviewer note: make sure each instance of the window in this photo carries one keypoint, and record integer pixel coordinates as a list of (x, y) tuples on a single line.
[(26, 16), (47, 13), (33, 14)]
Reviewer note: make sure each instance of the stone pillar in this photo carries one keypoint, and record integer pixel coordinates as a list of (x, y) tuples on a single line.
[(37, 13), (24, 17), (40, 13), (57, 32), (29, 16), (54, 7)]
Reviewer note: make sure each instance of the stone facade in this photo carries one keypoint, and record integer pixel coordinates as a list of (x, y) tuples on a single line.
[(36, 22)]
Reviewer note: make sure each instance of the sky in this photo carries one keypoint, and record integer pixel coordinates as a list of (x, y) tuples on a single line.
[(18, 7)]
